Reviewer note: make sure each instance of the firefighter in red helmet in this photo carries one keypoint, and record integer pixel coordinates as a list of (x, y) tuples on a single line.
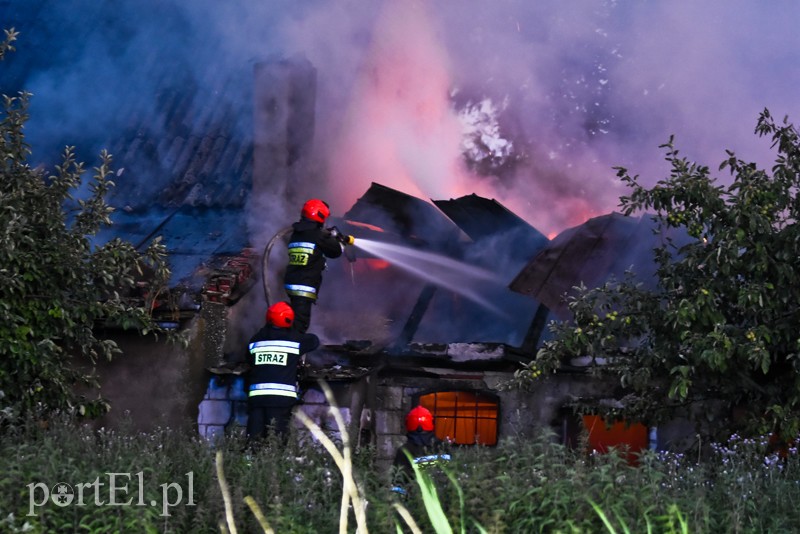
[(275, 353), (421, 449), (310, 244)]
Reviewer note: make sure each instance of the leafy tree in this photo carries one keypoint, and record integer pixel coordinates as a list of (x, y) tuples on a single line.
[(721, 328), (56, 284)]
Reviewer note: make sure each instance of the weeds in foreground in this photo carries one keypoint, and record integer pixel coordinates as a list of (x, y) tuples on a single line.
[(672, 523), (522, 485), (352, 494)]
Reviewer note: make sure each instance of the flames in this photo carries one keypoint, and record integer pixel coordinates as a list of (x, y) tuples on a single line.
[(400, 128), (367, 226), (364, 265)]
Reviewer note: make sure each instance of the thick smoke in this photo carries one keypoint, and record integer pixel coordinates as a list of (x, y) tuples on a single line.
[(574, 88), (589, 85), (584, 85)]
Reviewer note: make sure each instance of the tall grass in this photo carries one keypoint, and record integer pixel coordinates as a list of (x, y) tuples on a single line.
[(313, 486)]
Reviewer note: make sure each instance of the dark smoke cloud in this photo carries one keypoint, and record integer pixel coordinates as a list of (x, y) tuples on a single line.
[(588, 84), (580, 86)]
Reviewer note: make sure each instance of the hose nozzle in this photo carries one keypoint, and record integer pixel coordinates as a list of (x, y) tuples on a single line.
[(344, 239)]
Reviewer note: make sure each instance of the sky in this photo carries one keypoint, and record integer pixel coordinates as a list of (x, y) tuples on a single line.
[(567, 90)]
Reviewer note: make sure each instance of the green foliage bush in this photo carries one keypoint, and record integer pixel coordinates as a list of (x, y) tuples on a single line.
[(57, 284), (721, 327)]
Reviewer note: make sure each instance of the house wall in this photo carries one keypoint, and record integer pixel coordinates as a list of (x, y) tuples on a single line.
[(158, 384), (374, 409), (153, 383)]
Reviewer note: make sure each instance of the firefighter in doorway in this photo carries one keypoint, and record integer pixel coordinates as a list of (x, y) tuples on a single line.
[(275, 354), (421, 449), (309, 246)]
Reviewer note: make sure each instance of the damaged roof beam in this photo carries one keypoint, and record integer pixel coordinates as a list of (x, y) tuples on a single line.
[(414, 319)]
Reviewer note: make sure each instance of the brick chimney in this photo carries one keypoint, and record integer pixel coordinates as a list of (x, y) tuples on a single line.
[(284, 108)]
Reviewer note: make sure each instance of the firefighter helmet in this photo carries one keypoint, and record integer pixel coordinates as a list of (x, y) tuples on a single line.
[(316, 210), (280, 315), (419, 417)]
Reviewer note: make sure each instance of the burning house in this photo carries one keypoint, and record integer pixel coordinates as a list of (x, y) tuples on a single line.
[(452, 347), (439, 302)]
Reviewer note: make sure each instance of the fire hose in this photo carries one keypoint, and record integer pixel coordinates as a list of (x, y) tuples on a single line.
[(279, 236), (265, 260), (344, 239)]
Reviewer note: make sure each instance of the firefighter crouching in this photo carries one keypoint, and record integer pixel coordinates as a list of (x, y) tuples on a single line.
[(276, 352), (310, 244), (421, 449)]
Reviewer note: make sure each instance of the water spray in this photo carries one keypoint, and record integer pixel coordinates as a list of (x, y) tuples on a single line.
[(437, 269)]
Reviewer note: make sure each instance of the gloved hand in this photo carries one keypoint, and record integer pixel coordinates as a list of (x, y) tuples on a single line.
[(344, 239)]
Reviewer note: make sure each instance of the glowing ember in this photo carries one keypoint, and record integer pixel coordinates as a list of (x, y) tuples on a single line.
[(366, 225)]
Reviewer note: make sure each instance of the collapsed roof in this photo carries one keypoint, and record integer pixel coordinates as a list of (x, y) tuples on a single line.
[(494, 228), (590, 254), (490, 312)]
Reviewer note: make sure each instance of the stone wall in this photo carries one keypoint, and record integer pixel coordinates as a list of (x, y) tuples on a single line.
[(153, 383)]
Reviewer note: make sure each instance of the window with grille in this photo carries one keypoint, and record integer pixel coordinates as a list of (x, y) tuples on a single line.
[(464, 417), (631, 437)]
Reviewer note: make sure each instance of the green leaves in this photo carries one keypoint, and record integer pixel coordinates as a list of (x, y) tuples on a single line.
[(722, 324), (56, 285)]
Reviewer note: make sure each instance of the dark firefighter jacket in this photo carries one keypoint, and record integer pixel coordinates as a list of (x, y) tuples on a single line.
[(426, 452), (309, 245), (275, 354)]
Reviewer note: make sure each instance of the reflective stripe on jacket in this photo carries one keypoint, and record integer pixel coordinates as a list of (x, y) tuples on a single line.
[(272, 388), (309, 246), (298, 290), (274, 354)]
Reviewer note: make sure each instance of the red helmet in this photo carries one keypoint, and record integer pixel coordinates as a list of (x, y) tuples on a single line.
[(419, 417), (316, 210), (280, 315)]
